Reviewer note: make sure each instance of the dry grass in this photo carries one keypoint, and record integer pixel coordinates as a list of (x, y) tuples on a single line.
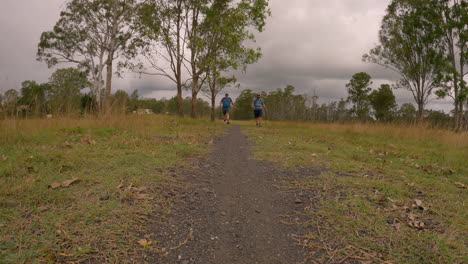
[(390, 131), (388, 194), (124, 166)]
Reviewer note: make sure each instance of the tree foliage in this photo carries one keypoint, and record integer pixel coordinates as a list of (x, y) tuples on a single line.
[(411, 45), (453, 15), (64, 90), (91, 34), (383, 102), (358, 93)]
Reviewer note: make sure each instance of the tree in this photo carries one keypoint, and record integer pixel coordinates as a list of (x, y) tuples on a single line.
[(64, 93), (358, 93), (407, 113), (217, 30), (410, 45), (161, 27), (243, 109), (120, 102), (216, 84), (383, 102), (454, 17), (91, 34), (34, 96), (10, 99)]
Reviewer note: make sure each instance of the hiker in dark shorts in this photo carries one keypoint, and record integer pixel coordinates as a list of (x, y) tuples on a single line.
[(258, 105), (226, 103)]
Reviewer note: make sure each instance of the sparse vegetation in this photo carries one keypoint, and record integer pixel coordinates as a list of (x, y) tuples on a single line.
[(387, 194), (79, 190)]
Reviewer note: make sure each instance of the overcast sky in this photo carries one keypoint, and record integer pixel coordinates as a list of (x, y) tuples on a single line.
[(314, 45)]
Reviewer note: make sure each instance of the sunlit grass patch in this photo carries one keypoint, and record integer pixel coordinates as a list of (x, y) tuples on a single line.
[(388, 193), (120, 167)]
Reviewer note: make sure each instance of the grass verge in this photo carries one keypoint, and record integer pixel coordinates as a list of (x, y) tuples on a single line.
[(84, 190), (387, 194)]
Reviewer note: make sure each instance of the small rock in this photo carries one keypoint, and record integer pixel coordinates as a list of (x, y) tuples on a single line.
[(27, 214), (104, 198), (223, 213), (298, 201), (206, 190)]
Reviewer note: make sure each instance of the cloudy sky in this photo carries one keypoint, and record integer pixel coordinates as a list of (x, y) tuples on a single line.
[(314, 45)]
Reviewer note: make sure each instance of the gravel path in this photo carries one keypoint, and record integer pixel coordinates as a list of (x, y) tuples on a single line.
[(231, 214)]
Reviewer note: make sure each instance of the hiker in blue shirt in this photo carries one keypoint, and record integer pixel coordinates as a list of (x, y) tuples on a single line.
[(226, 103), (258, 105)]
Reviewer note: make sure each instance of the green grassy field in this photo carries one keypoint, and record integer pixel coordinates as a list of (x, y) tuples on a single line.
[(386, 194), (77, 190)]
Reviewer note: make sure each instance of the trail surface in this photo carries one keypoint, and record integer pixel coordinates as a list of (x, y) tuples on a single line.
[(231, 214)]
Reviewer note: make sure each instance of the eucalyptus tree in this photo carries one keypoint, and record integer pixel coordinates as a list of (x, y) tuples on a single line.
[(10, 101), (223, 34), (454, 17), (215, 83), (383, 102), (161, 27), (410, 45), (91, 34), (358, 93), (64, 90), (217, 31), (34, 96)]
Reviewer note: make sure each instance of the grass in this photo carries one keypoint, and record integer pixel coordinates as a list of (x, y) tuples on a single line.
[(386, 194), (123, 169)]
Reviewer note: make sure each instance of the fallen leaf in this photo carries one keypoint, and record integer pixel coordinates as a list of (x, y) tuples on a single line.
[(43, 208), (460, 185), (67, 145), (314, 155), (70, 182), (397, 226), (144, 242), (418, 202), (144, 196), (4, 157), (55, 185), (29, 179)]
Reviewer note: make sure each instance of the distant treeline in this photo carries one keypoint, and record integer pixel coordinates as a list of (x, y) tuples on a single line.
[(63, 96), (283, 104)]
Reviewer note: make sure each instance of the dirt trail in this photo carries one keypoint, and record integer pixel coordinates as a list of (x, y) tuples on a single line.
[(234, 211)]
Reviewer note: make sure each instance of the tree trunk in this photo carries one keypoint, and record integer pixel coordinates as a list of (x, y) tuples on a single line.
[(420, 116), (213, 107), (194, 97), (107, 103), (109, 64), (180, 108)]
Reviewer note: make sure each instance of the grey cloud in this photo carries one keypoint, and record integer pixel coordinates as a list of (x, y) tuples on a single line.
[(314, 45)]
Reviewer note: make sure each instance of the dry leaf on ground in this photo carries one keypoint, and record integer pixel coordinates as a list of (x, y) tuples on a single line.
[(144, 242), (70, 182), (460, 185), (64, 184), (55, 185)]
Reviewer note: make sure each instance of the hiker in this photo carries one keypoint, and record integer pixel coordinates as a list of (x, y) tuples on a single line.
[(258, 105), (226, 103)]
